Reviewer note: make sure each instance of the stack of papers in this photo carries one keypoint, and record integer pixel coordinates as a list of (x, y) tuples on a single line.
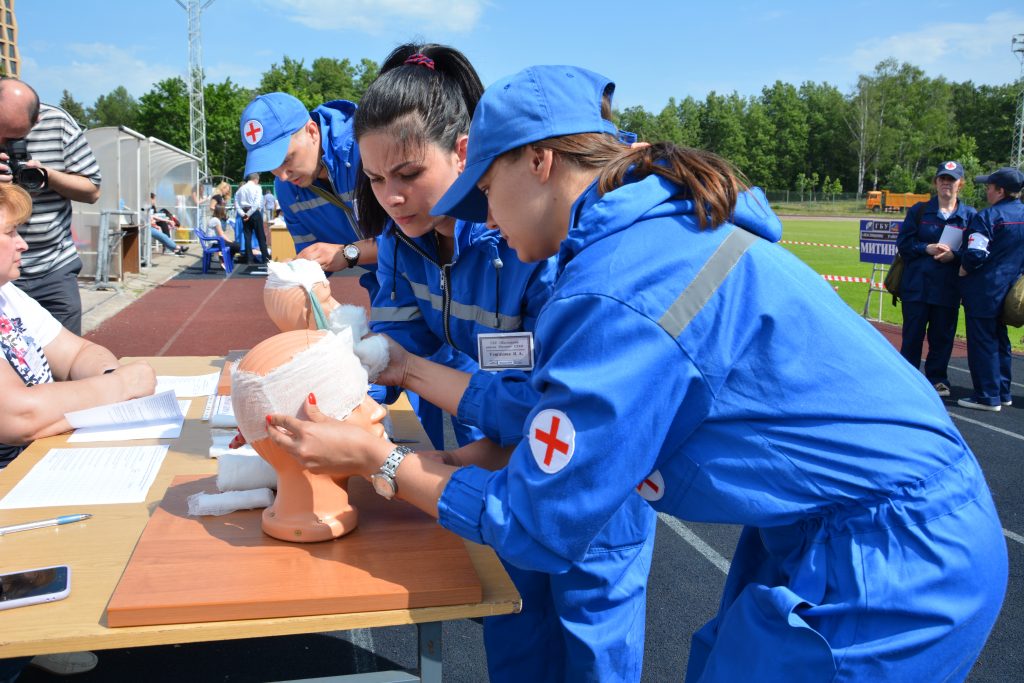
[(154, 417)]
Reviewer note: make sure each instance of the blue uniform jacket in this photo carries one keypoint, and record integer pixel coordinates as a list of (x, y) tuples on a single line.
[(309, 217), (734, 385), (926, 280), (427, 307), (993, 256)]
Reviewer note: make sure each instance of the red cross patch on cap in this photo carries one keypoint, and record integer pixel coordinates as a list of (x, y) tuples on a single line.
[(652, 488), (552, 440), (253, 131), (950, 165)]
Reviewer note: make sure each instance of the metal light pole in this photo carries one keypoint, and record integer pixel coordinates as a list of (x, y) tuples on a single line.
[(196, 103), (1017, 150)]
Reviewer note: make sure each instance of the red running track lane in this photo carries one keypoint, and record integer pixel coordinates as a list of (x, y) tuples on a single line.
[(201, 317)]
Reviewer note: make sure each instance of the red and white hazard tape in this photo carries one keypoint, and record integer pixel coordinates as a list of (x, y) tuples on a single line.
[(820, 244), (850, 278)]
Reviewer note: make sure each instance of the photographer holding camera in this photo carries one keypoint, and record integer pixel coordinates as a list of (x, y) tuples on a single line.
[(44, 150)]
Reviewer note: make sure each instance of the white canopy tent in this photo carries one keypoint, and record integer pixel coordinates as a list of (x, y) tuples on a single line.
[(132, 165)]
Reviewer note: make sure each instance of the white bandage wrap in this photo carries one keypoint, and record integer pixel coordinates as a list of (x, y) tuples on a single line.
[(297, 273), (329, 369), (237, 472), (372, 351), (224, 503)]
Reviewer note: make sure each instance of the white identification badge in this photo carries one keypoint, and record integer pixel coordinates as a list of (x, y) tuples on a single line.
[(505, 351)]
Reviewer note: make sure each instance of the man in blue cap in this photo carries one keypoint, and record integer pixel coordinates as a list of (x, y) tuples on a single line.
[(315, 160), (992, 259)]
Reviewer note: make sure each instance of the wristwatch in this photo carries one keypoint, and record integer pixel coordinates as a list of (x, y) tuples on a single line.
[(351, 254), (384, 479)]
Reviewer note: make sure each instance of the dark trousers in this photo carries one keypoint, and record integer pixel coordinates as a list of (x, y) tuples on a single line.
[(940, 324), (989, 356), (253, 226), (57, 292)]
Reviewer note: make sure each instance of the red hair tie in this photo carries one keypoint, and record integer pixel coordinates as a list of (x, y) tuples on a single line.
[(420, 59)]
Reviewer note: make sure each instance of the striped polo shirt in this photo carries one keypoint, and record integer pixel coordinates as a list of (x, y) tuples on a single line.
[(58, 143)]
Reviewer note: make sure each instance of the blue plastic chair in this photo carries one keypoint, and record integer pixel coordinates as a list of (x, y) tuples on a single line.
[(214, 244)]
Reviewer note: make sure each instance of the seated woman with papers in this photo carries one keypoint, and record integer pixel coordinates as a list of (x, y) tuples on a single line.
[(49, 370)]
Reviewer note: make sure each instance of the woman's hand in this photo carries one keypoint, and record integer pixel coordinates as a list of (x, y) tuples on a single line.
[(394, 375), (324, 445), (137, 378)]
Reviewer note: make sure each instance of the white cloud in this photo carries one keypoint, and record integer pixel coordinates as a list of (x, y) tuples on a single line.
[(959, 51), (377, 16), (94, 69)]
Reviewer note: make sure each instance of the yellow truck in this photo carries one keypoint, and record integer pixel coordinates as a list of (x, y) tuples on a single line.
[(884, 200)]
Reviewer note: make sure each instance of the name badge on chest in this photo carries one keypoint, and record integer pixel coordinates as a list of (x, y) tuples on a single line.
[(505, 351)]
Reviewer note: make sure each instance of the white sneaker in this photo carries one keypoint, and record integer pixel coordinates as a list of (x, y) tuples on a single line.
[(1007, 403), (66, 663), (974, 405), (941, 388)]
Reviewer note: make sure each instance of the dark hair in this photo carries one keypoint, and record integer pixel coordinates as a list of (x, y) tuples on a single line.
[(416, 104)]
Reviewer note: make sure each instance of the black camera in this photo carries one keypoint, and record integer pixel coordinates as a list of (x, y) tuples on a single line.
[(30, 178)]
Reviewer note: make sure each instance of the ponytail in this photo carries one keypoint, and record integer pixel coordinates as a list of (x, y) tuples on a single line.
[(423, 94), (711, 182)]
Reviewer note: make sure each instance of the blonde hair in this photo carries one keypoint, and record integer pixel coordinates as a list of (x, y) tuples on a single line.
[(224, 189), (15, 202)]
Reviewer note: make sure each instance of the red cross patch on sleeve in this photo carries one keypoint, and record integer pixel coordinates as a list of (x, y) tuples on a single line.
[(552, 440), (652, 488)]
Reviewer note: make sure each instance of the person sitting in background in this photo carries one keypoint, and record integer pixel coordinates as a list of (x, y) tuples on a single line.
[(929, 289), (157, 232), (991, 260), (49, 371)]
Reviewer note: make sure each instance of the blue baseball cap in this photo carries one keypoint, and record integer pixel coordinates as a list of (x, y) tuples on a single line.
[(951, 168), (1008, 178), (267, 126), (535, 104)]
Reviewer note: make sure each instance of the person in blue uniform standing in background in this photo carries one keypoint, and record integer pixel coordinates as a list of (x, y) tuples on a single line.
[(930, 289), (315, 162), (871, 548), (456, 286), (992, 259)]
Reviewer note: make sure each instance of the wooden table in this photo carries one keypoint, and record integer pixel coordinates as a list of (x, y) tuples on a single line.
[(98, 550)]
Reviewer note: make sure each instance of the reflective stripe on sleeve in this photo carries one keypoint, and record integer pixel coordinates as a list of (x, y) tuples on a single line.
[(400, 314), (711, 276), (467, 312)]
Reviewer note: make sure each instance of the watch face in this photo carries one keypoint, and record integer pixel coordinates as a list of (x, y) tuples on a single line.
[(351, 252), (384, 486)]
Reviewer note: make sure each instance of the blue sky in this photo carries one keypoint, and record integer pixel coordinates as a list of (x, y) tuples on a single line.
[(653, 50)]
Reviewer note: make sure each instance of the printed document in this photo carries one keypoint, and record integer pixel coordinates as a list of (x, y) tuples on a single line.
[(153, 417), (88, 476), (952, 236), (192, 385)]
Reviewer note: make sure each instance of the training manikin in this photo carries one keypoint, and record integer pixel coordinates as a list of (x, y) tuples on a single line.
[(276, 376)]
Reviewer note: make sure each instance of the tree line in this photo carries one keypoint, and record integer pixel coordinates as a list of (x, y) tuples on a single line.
[(889, 131)]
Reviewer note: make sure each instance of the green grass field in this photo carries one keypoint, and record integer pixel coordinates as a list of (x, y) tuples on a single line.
[(832, 261)]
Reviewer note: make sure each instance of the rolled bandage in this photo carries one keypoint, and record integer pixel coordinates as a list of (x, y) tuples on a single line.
[(231, 501), (372, 351), (236, 472)]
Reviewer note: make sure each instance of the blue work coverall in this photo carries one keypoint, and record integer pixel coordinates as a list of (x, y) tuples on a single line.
[(311, 218), (871, 548), (930, 289), (585, 622), (993, 256)]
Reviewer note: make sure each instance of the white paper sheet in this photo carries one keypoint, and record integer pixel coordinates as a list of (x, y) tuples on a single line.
[(88, 476), (192, 385), (162, 406), (221, 438), (156, 428), (952, 236)]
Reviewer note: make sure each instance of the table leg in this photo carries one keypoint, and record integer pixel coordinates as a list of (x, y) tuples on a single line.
[(430, 651)]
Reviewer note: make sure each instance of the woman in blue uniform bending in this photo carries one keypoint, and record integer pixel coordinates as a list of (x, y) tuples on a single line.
[(453, 290), (871, 548), (929, 242)]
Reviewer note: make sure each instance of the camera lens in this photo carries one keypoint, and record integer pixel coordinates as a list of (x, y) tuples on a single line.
[(31, 179)]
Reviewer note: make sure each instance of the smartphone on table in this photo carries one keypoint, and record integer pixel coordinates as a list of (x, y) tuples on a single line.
[(32, 586)]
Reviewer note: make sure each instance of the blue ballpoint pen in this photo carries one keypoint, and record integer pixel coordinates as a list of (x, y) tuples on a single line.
[(56, 521)]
